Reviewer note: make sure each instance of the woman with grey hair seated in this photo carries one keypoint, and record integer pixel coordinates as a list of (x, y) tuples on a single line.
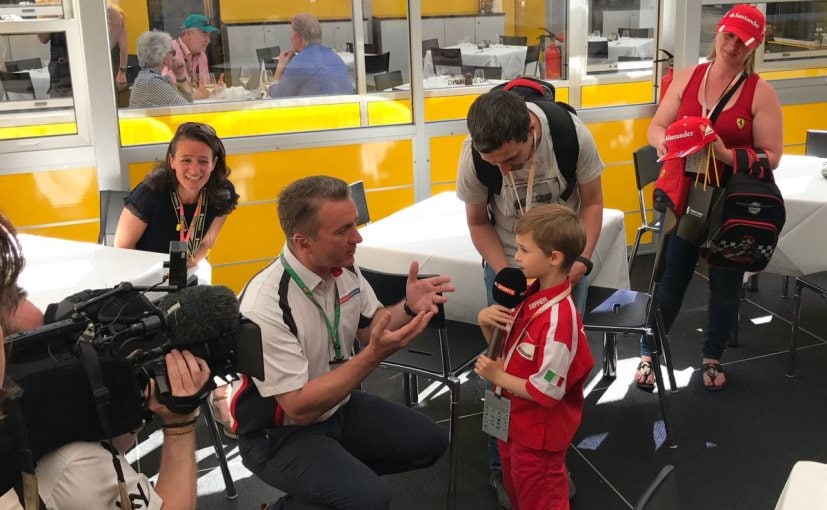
[(151, 88)]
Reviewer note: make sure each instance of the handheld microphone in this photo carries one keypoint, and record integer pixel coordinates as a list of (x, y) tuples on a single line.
[(509, 291)]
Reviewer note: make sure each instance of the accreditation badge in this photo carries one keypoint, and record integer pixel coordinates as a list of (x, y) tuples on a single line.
[(495, 413)]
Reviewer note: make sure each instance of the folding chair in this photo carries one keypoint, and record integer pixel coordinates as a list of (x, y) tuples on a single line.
[(429, 44), (375, 64), (532, 54), (816, 282), (111, 205), (816, 143), (647, 169), (662, 493), (357, 193), (617, 311), (25, 64), (17, 86), (447, 60), (432, 356)]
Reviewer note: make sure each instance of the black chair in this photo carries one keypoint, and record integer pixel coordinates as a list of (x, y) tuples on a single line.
[(489, 72), (385, 81), (357, 193), (816, 282), (429, 44), (268, 55), (375, 64), (630, 58), (514, 40), (111, 205), (19, 84), (432, 356), (647, 169), (25, 64), (370, 49), (532, 55), (816, 143), (132, 68), (662, 493), (598, 49), (447, 60)]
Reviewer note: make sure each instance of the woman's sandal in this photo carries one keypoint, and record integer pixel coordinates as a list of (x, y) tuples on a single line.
[(713, 370), (644, 368), (225, 427)]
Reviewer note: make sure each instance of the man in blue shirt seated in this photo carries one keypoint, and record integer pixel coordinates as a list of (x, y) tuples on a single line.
[(309, 69)]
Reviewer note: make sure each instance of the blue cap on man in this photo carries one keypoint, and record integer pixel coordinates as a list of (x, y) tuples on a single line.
[(198, 21)]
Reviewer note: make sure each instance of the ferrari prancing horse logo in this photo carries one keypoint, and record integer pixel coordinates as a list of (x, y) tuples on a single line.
[(740, 122)]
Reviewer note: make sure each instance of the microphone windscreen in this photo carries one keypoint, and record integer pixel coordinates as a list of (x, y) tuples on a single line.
[(509, 287), (206, 312)]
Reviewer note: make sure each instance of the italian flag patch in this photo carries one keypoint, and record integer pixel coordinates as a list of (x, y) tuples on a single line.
[(554, 379)]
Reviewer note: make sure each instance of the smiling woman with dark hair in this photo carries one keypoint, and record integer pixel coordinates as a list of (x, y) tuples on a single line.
[(186, 198)]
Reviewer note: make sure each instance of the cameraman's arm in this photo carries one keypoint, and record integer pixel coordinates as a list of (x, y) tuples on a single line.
[(177, 476)]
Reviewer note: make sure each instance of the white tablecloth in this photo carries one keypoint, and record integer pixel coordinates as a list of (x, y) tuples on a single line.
[(640, 47), (57, 268), (510, 58), (435, 233), (802, 244), (806, 488)]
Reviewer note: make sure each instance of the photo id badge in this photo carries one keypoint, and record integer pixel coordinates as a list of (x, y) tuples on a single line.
[(495, 413)]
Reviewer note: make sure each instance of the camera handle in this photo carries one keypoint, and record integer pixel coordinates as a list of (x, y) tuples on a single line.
[(157, 369)]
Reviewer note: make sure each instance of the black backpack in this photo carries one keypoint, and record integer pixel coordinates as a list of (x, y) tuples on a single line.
[(745, 233), (563, 135)]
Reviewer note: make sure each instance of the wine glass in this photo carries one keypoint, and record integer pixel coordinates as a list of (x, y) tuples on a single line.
[(244, 76), (479, 77), (210, 82)]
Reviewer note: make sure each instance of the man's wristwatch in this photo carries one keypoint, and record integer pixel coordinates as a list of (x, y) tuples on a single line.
[(122, 69), (586, 262)]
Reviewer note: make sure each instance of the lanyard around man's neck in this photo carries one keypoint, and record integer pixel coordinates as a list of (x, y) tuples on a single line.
[(332, 329)]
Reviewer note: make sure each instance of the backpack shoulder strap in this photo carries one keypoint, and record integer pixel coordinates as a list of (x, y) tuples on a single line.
[(489, 175), (564, 141)]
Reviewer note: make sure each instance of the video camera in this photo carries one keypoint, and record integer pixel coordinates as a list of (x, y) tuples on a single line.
[(82, 376)]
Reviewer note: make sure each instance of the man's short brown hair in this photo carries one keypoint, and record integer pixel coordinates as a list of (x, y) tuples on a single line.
[(555, 227)]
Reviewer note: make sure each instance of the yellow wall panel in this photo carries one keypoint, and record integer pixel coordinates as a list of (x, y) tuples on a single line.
[(795, 73), (235, 11), (39, 130), (445, 157), (251, 232), (137, 171), (617, 140), (50, 197), (439, 188), (619, 190), (447, 107), (386, 113), (87, 232), (429, 7), (799, 118), (617, 94), (147, 130), (383, 203), (235, 276)]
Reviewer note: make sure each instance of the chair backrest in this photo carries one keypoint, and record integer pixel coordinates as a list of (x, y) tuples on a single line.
[(647, 167), (377, 63), (357, 193), (816, 143), (111, 205), (370, 49), (630, 58), (385, 81), (662, 494), (447, 60), (268, 55), (490, 72), (598, 49), (17, 84), (532, 53), (133, 67), (25, 64), (429, 44), (514, 40)]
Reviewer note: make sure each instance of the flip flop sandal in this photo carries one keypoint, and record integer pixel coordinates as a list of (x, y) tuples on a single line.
[(644, 368), (713, 370)]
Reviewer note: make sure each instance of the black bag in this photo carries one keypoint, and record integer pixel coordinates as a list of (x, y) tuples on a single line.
[(752, 214), (563, 135), (702, 202)]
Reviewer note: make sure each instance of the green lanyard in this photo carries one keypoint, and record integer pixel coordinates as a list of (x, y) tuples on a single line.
[(332, 329)]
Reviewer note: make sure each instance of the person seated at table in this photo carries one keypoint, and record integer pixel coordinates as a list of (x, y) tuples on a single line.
[(190, 50), (305, 428), (309, 68), (60, 79), (151, 88), (186, 198)]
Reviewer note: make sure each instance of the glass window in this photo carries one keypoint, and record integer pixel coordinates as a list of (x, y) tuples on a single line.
[(16, 10), (36, 86), (795, 30), (621, 36)]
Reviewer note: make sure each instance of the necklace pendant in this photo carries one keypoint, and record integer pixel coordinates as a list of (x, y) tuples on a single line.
[(178, 227)]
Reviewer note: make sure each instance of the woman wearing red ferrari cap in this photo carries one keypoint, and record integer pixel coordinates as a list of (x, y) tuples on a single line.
[(750, 117)]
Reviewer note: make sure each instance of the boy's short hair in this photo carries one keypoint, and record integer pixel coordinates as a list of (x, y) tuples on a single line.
[(555, 227)]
